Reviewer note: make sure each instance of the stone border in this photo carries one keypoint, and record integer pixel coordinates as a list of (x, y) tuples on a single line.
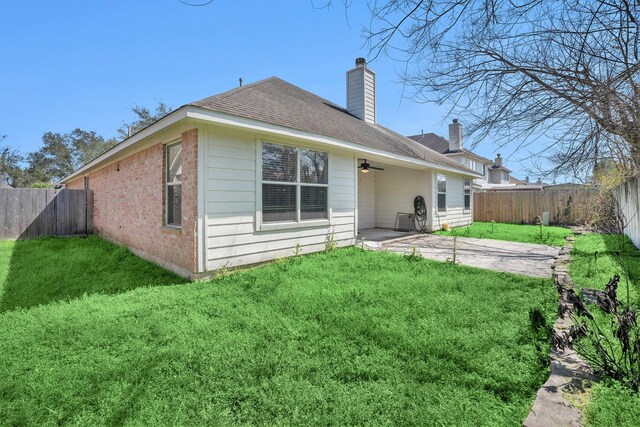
[(569, 373)]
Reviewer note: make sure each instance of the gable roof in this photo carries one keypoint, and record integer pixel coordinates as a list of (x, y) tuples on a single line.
[(433, 141), (441, 145), (278, 102)]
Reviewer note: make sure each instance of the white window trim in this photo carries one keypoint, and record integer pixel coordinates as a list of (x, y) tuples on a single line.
[(298, 223), (438, 192), (464, 194), (167, 184)]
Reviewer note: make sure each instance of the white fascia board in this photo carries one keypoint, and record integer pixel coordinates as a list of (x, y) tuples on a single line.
[(228, 120), (166, 121)]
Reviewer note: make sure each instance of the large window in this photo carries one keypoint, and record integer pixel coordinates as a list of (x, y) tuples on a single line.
[(295, 184), (173, 179), (442, 192), (467, 194)]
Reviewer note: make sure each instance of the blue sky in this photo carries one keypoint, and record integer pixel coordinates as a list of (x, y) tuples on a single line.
[(70, 64)]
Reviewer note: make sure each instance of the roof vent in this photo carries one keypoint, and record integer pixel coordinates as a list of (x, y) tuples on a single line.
[(361, 92)]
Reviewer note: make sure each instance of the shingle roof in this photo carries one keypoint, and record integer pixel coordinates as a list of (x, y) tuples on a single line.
[(433, 141), (441, 145), (278, 102)]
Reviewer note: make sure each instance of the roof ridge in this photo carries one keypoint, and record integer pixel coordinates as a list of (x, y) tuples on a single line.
[(235, 90)]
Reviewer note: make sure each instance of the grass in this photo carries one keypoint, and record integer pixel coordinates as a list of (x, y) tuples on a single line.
[(547, 235), (50, 269), (343, 338), (612, 405), (595, 259)]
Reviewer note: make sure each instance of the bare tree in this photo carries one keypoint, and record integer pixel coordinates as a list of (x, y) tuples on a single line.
[(522, 69)]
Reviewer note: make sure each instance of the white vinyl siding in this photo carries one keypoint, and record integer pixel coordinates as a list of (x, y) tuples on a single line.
[(455, 216), (395, 190), (232, 187), (367, 200)]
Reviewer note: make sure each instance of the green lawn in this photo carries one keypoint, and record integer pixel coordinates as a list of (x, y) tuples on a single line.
[(547, 235), (344, 338), (595, 259), (50, 269)]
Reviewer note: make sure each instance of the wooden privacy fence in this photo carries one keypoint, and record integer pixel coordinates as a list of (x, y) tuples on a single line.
[(628, 198), (34, 212), (565, 207)]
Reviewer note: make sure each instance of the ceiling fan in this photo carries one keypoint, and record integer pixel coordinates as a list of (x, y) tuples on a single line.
[(365, 167)]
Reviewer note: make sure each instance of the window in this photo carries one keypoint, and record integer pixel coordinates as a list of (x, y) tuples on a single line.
[(467, 194), (173, 177), (442, 193), (295, 184), (472, 164)]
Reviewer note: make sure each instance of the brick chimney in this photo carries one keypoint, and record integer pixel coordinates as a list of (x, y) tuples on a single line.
[(361, 92), (455, 136), (498, 161)]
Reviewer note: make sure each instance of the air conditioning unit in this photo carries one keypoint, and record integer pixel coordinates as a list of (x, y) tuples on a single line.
[(404, 222)]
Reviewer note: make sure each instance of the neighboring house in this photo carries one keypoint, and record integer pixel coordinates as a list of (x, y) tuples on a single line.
[(454, 149), (263, 171), (4, 185), (494, 175)]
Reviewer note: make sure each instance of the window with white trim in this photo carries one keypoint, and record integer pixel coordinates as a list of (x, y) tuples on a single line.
[(295, 184), (173, 184), (442, 192), (467, 194)]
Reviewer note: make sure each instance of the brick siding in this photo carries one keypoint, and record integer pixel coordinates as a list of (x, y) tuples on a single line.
[(129, 205)]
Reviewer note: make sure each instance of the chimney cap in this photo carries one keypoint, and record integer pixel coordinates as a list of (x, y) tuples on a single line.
[(498, 155), (361, 62), (455, 120)]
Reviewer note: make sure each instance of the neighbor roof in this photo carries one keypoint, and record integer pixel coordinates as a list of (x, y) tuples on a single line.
[(441, 145), (278, 102)]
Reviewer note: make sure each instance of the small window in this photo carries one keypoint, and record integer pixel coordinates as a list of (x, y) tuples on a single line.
[(295, 184), (173, 177), (467, 194), (442, 193)]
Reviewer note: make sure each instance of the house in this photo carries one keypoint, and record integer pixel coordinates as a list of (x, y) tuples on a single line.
[(453, 148), (263, 171), (494, 175), (4, 185)]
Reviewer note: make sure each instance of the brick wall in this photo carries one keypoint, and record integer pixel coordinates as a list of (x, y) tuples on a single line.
[(129, 205)]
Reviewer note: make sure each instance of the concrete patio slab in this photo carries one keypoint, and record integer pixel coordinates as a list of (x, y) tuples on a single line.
[(511, 257)]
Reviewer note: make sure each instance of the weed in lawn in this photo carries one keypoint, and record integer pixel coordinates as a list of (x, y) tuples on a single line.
[(454, 253), (414, 255), (330, 243)]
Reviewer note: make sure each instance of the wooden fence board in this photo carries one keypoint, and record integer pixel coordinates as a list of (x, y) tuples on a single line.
[(523, 207), (33, 212)]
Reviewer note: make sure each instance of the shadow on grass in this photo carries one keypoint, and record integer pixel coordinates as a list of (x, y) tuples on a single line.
[(44, 270)]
